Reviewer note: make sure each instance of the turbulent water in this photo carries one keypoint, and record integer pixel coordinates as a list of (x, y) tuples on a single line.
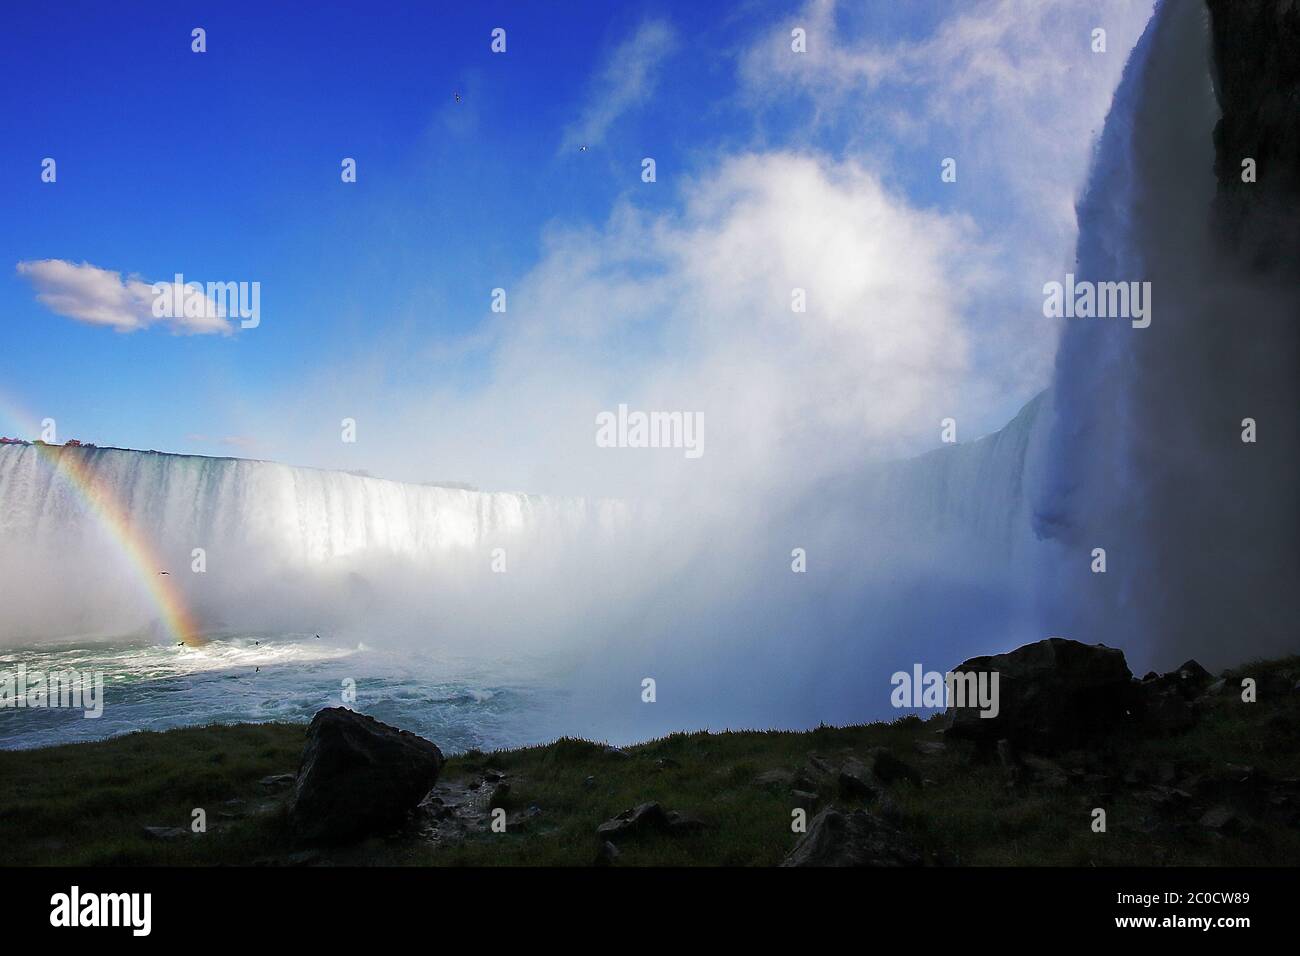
[(463, 703)]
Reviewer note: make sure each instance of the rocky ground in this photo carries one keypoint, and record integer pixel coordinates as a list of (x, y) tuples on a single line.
[(1185, 770)]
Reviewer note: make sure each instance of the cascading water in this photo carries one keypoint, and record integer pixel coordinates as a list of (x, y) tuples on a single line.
[(281, 547), (1145, 457)]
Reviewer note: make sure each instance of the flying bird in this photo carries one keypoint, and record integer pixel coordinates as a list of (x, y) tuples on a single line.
[(164, 572)]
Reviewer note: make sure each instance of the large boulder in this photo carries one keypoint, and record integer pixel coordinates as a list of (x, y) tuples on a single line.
[(359, 777), (857, 838), (1051, 695)]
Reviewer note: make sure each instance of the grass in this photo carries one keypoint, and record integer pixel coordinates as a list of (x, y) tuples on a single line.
[(88, 803)]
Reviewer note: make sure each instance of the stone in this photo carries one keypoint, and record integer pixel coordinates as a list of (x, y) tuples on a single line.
[(856, 838), (165, 833), (359, 777), (1220, 818), (855, 781), (640, 820), (607, 854), (647, 818), (889, 769), (1052, 694), (680, 823), (774, 780)]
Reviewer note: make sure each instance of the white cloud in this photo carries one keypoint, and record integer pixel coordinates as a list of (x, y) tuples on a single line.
[(1009, 88), (691, 311), (1011, 84), (627, 79), (98, 296)]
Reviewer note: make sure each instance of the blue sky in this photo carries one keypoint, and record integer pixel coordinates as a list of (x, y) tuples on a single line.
[(225, 166)]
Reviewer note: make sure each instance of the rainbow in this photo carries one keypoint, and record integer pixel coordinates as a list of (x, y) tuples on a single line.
[(72, 465)]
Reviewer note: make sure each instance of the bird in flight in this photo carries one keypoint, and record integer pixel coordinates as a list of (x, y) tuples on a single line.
[(164, 572), (456, 95)]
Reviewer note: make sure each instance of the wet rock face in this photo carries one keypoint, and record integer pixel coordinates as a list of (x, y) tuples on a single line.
[(359, 777), (1257, 80)]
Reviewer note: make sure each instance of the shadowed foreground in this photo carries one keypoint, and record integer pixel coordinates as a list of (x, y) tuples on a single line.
[(1225, 792)]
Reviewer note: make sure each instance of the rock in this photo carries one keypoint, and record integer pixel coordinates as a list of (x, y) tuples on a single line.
[(680, 823), (1167, 799), (1256, 44), (279, 780), (930, 748), (1194, 675), (435, 809), (640, 820), (500, 793), (888, 769), (359, 777), (608, 854), (589, 783), (1220, 818), (493, 776), (525, 820), (165, 833), (855, 781), (648, 818), (805, 799), (1051, 694), (609, 751), (774, 780), (817, 765), (852, 839)]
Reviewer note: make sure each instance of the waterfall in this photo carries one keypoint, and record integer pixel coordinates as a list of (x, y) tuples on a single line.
[(1145, 457), (294, 545)]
